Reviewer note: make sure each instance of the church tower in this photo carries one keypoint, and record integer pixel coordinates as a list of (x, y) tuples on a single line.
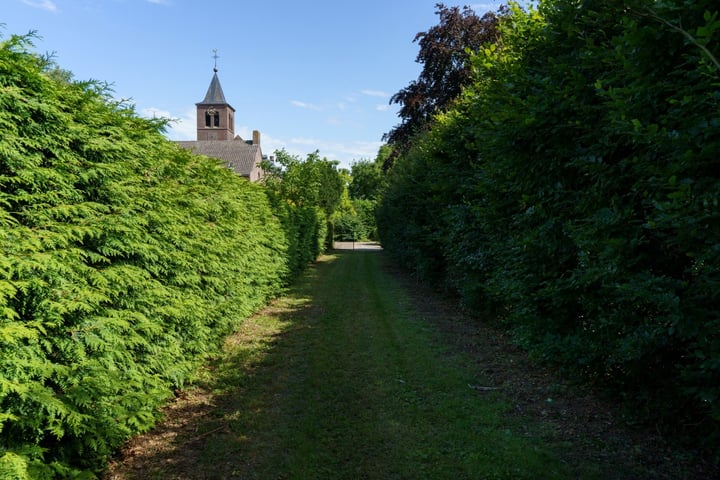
[(215, 117), (216, 134)]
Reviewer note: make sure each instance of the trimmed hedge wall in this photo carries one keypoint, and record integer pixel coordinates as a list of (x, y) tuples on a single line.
[(305, 230), (573, 192), (124, 260)]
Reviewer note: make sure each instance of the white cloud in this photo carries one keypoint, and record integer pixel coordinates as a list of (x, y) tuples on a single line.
[(382, 107), (481, 8), (268, 143), (152, 112), (48, 5), (160, 2), (349, 152), (309, 106), (181, 127), (374, 93), (344, 152)]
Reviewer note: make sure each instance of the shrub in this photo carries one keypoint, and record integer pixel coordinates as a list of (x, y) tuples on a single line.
[(125, 260)]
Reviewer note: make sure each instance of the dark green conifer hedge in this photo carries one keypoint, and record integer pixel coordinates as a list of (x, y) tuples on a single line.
[(124, 260)]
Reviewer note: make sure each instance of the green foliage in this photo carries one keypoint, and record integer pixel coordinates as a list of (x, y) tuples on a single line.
[(125, 260), (355, 218), (305, 194), (572, 190), (305, 229), (356, 222), (367, 177), (310, 182)]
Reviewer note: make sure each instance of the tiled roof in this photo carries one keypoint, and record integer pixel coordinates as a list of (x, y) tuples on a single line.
[(214, 93), (239, 156)]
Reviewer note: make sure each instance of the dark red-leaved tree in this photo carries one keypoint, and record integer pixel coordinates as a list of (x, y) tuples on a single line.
[(443, 54)]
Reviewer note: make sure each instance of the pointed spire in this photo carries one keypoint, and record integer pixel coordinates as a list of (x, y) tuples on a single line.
[(214, 93)]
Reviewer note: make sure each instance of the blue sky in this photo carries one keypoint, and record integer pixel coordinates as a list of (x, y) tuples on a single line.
[(312, 75)]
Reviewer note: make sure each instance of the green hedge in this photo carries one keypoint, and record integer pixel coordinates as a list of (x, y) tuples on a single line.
[(124, 260), (356, 222), (305, 229), (573, 192)]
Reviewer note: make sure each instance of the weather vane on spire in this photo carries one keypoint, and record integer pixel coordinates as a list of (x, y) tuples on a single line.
[(215, 56)]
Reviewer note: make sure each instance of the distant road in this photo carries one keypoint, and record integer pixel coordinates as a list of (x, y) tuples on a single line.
[(363, 246)]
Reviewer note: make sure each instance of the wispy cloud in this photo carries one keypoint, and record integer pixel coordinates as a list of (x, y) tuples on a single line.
[(349, 152), (345, 152), (382, 107), (484, 7), (268, 143), (300, 104), (375, 93), (160, 2), (182, 127), (48, 5)]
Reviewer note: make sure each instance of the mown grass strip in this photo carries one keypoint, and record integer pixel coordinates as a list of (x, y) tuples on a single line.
[(353, 386), (341, 379)]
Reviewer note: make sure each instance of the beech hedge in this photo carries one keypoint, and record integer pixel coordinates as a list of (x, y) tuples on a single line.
[(124, 260), (573, 192)]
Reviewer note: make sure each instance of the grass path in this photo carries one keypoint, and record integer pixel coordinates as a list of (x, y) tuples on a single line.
[(343, 379)]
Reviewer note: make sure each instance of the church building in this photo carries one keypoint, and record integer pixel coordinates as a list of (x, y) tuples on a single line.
[(216, 135)]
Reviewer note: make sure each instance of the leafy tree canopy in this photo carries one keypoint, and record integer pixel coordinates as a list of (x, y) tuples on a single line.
[(368, 179), (314, 181)]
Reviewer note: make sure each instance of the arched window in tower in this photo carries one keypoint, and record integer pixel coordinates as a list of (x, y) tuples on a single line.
[(212, 118)]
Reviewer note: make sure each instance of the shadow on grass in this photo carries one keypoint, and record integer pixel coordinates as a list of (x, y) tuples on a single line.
[(338, 379), (227, 425)]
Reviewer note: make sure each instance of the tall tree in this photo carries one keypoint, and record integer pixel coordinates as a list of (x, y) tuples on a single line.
[(444, 51)]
